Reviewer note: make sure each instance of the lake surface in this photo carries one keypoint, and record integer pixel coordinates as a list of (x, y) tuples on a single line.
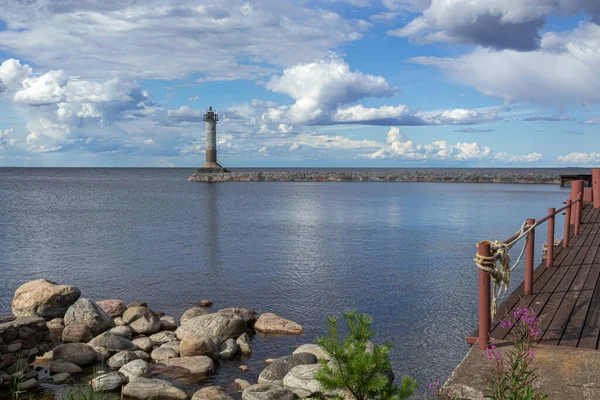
[(401, 252)]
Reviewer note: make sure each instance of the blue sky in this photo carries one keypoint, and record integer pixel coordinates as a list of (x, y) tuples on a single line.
[(370, 83)]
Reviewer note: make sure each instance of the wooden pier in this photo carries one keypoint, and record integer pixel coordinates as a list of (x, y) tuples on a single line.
[(566, 297)]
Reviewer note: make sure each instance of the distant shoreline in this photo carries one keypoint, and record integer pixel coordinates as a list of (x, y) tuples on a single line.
[(463, 175)]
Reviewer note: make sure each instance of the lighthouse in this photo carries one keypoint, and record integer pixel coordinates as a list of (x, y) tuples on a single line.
[(211, 164)]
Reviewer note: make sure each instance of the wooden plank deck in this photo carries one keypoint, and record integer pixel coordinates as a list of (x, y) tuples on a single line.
[(566, 298)]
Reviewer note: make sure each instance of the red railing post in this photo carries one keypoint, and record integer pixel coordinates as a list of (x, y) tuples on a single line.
[(596, 187), (484, 299), (529, 258), (550, 243), (578, 213), (567, 225), (576, 188)]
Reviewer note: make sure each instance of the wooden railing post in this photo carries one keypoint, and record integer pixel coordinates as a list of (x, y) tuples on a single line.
[(596, 187), (578, 212), (484, 299), (567, 225), (550, 243), (529, 258), (576, 188)]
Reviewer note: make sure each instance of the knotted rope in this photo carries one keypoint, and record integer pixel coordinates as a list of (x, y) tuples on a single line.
[(498, 264)]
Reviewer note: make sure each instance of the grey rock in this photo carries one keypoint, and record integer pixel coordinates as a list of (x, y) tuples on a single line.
[(143, 355), (121, 358), (248, 315), (175, 346), (228, 350), (29, 384), (144, 343), (142, 320), (14, 347), (211, 393), (113, 342), (61, 378), (163, 353), (59, 367), (56, 326), (118, 321), (275, 372), (241, 384), (222, 326), (301, 380), (77, 353), (185, 369), (267, 392), (89, 313), (244, 343), (162, 338), (168, 323), (44, 298), (155, 389), (135, 369), (110, 382), (193, 313), (315, 349), (102, 353), (123, 331)]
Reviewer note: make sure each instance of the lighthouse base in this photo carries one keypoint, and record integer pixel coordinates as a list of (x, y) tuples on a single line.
[(211, 168)]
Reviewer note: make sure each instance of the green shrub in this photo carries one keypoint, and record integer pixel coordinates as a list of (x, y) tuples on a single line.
[(357, 366)]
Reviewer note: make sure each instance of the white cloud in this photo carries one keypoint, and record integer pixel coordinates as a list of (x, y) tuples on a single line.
[(172, 39), (320, 87), (562, 73), (193, 99), (187, 114), (580, 158), (526, 158), (499, 24), (592, 121)]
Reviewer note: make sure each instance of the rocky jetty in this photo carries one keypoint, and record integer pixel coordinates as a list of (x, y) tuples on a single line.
[(134, 352), (456, 176)]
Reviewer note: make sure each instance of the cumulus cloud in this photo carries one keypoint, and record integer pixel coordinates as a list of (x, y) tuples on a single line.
[(172, 39), (59, 108), (580, 158), (496, 24), (592, 121), (187, 114), (525, 158), (562, 73)]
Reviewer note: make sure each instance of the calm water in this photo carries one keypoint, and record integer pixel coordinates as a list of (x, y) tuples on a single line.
[(401, 252)]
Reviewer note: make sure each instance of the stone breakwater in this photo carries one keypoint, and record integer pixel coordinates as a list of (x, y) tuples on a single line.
[(384, 176), (144, 355)]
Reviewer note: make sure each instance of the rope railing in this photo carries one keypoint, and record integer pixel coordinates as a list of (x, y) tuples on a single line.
[(494, 262)]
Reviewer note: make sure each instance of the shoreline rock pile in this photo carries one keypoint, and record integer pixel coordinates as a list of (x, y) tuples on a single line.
[(141, 354)]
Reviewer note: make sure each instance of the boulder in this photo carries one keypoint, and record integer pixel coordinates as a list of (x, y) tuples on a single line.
[(60, 378), (89, 313), (76, 353), (56, 326), (163, 353), (315, 349), (192, 313), (218, 326), (77, 332), (301, 380), (114, 308), (113, 343), (121, 358), (228, 349), (240, 385), (110, 382), (135, 369), (29, 384), (44, 298), (142, 320), (144, 343), (198, 346), (175, 346), (123, 331), (119, 321), (137, 304), (274, 324), (185, 369), (168, 323), (244, 343), (143, 355), (162, 338), (274, 373), (102, 353), (60, 367), (211, 393), (155, 389), (248, 315), (267, 392)]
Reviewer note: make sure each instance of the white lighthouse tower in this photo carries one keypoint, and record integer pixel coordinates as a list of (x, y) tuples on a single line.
[(211, 164)]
